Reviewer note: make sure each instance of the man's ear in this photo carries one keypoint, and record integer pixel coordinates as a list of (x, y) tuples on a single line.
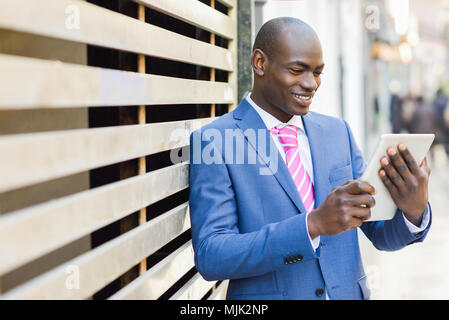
[(259, 62)]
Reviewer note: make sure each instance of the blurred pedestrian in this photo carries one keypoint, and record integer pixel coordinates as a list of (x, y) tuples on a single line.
[(441, 105), (409, 105), (423, 119), (396, 113), (395, 107)]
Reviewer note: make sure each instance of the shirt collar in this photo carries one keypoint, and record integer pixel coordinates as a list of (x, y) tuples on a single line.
[(271, 121)]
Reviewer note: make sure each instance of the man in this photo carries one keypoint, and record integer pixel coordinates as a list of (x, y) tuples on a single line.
[(292, 234)]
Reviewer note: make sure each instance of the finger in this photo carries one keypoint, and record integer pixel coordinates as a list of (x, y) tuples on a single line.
[(356, 217), (399, 164), (425, 166), (359, 187), (355, 223), (386, 181), (360, 215), (392, 174), (361, 200), (411, 162)]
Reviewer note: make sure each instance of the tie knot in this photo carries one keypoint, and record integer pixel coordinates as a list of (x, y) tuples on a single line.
[(288, 136)]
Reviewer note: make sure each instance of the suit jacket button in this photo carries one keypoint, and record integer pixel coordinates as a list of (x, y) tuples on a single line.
[(299, 257), (319, 292)]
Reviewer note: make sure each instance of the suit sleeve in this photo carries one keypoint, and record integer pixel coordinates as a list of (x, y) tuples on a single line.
[(386, 235), (221, 251)]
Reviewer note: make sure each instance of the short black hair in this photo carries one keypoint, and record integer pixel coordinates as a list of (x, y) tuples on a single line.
[(267, 37)]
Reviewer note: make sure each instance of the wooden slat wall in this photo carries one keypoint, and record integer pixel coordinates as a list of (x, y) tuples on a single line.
[(62, 153), (69, 218), (198, 14), (111, 30), (158, 105), (154, 282), (80, 85)]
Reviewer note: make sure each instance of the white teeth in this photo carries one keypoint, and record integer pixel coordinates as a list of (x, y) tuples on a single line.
[(302, 97)]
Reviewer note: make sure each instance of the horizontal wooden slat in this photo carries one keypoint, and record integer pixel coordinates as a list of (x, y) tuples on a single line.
[(37, 157), (154, 282), (105, 263), (194, 289), (32, 232), (196, 13), (220, 291), (87, 23), (37, 83)]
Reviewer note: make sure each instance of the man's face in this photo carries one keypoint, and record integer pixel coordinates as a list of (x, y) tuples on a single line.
[(293, 74)]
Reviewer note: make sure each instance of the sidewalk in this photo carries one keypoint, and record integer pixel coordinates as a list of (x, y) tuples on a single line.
[(419, 271)]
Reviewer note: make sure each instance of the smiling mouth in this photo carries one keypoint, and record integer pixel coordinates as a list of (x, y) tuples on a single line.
[(302, 97)]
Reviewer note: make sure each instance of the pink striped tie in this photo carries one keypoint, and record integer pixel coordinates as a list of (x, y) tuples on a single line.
[(288, 136)]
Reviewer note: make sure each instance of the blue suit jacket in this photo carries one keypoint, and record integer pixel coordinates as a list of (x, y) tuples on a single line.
[(250, 227)]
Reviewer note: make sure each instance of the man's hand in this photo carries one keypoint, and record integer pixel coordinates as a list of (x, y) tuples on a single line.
[(406, 181), (346, 207)]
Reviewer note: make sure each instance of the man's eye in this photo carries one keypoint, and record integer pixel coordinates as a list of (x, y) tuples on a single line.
[(317, 74), (296, 70)]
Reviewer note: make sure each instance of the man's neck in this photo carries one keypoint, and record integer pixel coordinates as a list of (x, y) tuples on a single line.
[(275, 112)]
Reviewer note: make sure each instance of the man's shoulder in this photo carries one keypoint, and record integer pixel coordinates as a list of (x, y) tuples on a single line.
[(327, 121), (221, 123)]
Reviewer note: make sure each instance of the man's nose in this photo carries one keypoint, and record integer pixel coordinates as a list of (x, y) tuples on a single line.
[(308, 82)]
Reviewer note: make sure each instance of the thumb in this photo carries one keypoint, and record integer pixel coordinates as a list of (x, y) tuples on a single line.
[(425, 166)]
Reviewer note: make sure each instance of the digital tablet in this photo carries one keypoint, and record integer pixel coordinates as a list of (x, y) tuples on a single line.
[(417, 144)]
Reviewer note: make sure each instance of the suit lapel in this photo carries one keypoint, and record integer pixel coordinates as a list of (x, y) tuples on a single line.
[(248, 118)]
